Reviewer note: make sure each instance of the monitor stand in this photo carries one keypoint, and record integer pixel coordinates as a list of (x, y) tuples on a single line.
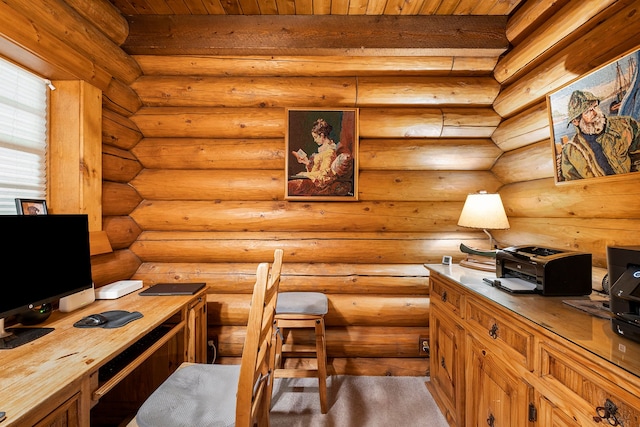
[(15, 337)]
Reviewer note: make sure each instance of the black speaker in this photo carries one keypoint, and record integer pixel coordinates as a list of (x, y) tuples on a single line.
[(36, 315)]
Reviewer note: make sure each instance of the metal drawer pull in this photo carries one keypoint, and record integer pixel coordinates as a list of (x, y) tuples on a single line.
[(491, 420), (444, 296), (493, 332), (608, 412)]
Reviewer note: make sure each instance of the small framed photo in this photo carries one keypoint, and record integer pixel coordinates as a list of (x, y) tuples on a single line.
[(31, 207)]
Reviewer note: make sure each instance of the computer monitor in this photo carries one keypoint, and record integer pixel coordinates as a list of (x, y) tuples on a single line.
[(45, 258)]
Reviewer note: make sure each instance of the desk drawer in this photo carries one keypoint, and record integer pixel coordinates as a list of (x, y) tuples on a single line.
[(445, 296), (583, 393), (506, 333)]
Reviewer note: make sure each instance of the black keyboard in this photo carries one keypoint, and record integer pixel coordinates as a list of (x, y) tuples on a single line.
[(116, 364)]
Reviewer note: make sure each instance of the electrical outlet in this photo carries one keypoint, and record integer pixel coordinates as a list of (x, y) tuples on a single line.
[(423, 346)]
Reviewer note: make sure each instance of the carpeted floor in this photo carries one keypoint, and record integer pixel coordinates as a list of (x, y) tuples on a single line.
[(355, 401)]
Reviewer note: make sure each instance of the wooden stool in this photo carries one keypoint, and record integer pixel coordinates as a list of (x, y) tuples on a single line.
[(303, 310)]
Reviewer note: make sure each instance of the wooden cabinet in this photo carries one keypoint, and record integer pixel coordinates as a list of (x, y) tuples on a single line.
[(499, 359)]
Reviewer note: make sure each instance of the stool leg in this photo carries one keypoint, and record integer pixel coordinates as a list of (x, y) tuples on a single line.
[(321, 354)]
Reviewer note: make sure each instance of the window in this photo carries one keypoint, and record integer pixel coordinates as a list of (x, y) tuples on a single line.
[(23, 136)]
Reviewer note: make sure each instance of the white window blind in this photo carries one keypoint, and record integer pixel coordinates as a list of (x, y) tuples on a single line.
[(23, 136)]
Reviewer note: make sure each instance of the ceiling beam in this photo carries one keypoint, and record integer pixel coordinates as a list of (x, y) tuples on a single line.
[(362, 35)]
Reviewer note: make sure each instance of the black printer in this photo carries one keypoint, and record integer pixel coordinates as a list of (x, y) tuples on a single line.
[(623, 270), (555, 272)]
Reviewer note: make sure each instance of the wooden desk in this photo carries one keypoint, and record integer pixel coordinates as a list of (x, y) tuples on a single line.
[(55, 379)]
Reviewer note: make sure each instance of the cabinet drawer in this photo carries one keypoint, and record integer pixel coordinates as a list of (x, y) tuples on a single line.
[(512, 341), (446, 296), (583, 393)]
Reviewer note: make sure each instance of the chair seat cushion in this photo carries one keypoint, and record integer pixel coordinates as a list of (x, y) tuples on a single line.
[(302, 303), (193, 396)]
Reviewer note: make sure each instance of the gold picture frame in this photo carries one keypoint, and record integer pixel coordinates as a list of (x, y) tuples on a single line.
[(321, 154), (594, 122)]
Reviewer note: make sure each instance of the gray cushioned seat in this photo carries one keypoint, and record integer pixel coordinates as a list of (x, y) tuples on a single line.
[(302, 303), (186, 397)]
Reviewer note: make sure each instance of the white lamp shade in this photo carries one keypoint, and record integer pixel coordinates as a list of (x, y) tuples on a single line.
[(484, 210)]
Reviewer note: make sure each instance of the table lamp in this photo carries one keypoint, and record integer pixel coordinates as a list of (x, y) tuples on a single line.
[(485, 211)]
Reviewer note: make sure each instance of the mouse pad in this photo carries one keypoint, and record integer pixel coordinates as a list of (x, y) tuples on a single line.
[(115, 319)]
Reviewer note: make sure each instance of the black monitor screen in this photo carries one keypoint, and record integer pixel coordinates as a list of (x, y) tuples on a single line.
[(45, 257)]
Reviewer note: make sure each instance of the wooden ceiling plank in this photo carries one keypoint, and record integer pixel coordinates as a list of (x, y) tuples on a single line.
[(411, 7), (358, 7), (321, 7), (196, 7), (339, 7), (286, 7), (317, 35), (303, 7), (250, 7), (214, 7), (376, 7), (268, 7)]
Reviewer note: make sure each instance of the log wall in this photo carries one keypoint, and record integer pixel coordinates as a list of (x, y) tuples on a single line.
[(193, 165), (585, 215)]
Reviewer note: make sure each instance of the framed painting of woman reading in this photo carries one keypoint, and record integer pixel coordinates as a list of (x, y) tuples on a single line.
[(321, 154)]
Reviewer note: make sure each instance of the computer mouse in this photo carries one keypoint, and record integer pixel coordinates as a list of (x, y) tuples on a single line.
[(91, 320)]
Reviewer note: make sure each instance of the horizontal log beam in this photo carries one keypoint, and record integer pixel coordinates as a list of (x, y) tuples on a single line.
[(318, 34), (528, 163), (313, 66), (357, 308), (365, 248), (256, 122), (527, 127), (603, 198), (465, 154), (341, 341), (269, 185), (198, 91), (118, 165), (113, 266), (233, 216)]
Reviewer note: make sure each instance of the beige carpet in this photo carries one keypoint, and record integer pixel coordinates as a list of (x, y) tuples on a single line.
[(355, 401)]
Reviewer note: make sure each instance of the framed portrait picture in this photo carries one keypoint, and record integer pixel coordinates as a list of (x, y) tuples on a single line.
[(594, 121), (31, 207), (321, 154)]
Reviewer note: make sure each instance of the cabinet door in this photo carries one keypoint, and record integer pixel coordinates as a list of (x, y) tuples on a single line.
[(447, 364), (67, 414), (197, 331), (495, 397), (550, 416)]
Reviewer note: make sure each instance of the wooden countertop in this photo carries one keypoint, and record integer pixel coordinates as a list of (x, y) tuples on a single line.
[(592, 333), (35, 371)]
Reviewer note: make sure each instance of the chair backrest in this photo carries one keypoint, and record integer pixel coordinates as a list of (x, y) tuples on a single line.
[(253, 402)]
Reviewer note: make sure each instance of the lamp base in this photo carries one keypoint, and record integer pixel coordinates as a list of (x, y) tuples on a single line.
[(478, 262)]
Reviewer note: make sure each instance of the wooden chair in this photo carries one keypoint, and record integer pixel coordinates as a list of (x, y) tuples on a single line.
[(199, 394)]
